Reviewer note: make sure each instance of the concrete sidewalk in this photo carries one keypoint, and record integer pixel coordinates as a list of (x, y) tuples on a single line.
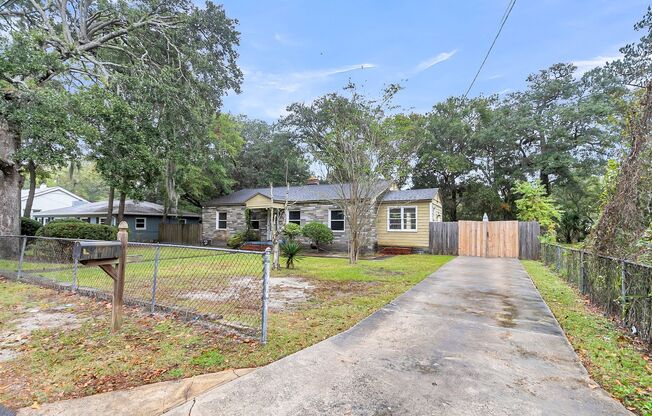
[(148, 400), (474, 338)]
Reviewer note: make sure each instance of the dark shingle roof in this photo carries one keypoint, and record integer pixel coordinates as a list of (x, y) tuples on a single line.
[(99, 208), (308, 193), (411, 195)]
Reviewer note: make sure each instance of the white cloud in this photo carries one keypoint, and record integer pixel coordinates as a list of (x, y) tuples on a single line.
[(586, 65), (267, 95), (286, 40), (444, 56), (496, 76), (324, 73)]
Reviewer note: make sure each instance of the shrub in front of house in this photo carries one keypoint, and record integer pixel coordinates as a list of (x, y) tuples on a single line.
[(78, 229), (291, 231), (318, 233), (291, 250), (29, 226), (240, 238)]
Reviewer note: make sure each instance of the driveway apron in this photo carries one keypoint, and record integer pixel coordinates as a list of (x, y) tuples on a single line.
[(474, 338)]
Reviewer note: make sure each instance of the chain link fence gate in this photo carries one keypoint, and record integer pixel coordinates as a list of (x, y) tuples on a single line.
[(222, 287), (621, 288)]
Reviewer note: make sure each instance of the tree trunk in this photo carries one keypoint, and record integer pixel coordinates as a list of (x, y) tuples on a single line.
[(10, 182), (109, 207), (172, 197), (121, 208), (545, 181), (354, 249), (453, 209), (31, 168)]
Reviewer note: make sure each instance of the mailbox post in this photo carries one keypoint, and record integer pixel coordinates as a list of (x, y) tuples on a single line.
[(119, 282), (105, 254)]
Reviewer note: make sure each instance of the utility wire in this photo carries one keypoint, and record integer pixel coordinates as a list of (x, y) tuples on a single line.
[(510, 6)]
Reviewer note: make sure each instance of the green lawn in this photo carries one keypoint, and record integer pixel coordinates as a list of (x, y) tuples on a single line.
[(63, 363), (618, 364)]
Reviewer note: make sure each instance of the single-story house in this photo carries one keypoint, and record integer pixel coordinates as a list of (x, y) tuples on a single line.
[(48, 198), (402, 218), (143, 217)]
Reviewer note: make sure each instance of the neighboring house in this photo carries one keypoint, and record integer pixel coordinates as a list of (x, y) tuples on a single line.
[(48, 198), (402, 218), (143, 217)]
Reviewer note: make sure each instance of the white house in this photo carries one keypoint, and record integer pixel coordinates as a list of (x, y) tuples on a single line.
[(46, 199)]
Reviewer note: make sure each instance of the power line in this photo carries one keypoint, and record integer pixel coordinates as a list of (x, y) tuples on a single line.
[(510, 6)]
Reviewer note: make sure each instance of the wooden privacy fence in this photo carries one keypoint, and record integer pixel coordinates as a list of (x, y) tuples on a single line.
[(179, 233), (492, 239)]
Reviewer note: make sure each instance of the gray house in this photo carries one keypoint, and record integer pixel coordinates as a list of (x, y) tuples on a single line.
[(402, 218), (143, 217)]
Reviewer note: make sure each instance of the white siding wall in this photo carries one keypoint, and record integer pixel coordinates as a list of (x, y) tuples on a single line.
[(51, 200)]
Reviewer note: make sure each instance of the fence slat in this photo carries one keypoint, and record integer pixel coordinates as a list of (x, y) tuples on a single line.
[(443, 238), (529, 247), (179, 233)]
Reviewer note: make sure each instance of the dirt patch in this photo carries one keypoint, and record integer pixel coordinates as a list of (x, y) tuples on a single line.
[(285, 292), (30, 320), (236, 289), (288, 292)]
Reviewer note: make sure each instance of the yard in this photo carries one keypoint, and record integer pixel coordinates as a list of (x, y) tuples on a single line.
[(56, 345), (618, 363)]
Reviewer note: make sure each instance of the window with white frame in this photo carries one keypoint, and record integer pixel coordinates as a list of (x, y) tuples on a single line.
[(294, 217), (220, 224), (402, 219), (181, 221), (141, 223), (336, 220), (101, 220)]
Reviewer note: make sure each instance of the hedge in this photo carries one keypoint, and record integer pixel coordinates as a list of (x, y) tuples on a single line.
[(29, 226), (78, 229)]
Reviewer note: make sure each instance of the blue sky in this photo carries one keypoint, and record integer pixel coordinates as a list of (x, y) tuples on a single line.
[(293, 50)]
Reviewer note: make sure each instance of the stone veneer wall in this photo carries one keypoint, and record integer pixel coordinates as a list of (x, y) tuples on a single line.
[(320, 212), (309, 212), (235, 221)]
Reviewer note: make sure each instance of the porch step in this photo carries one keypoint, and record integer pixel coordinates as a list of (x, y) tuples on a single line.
[(395, 251)]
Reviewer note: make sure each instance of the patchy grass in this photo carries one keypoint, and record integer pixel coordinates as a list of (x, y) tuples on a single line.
[(616, 362), (61, 363)]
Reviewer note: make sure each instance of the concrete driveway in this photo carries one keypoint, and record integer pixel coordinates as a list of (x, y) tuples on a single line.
[(474, 338)]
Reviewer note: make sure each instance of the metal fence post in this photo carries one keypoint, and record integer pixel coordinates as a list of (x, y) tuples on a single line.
[(75, 264), (265, 297), (623, 290), (157, 257), (581, 279), (20, 258)]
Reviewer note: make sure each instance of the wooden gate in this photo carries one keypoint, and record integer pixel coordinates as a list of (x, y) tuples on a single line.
[(502, 239), (472, 238), (495, 239), (490, 239)]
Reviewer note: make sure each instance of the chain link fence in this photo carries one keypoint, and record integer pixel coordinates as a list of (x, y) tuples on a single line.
[(620, 287), (228, 288)]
